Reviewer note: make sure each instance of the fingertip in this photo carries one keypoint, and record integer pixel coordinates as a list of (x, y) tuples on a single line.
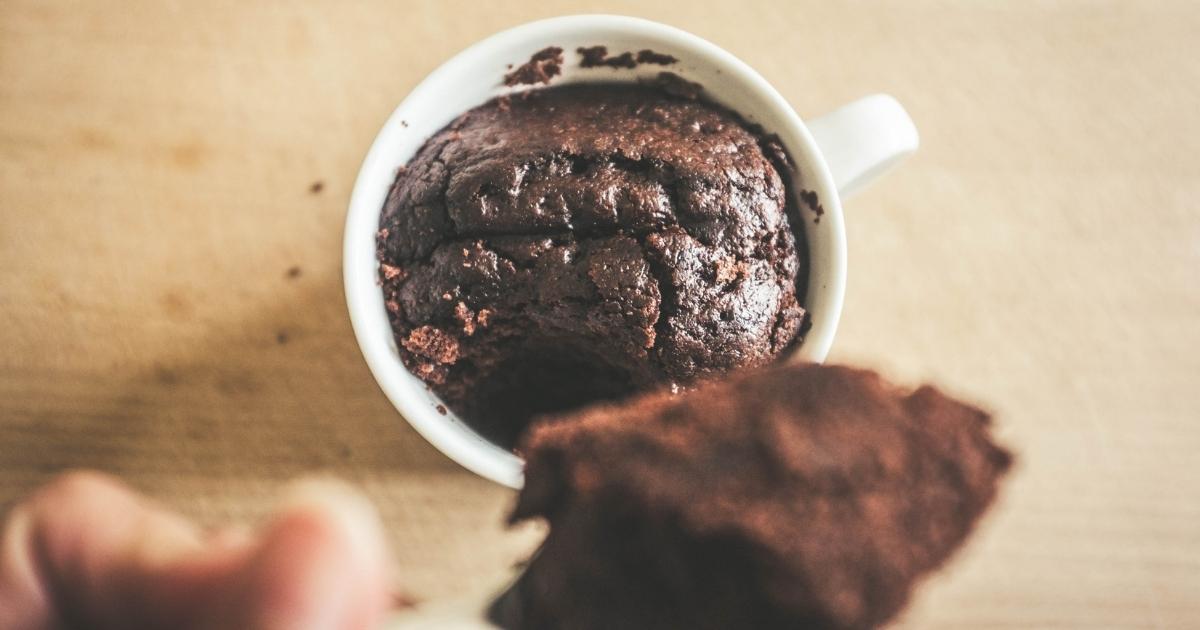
[(321, 563), (349, 516)]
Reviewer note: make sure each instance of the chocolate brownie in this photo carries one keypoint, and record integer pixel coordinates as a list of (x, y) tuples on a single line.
[(785, 497), (580, 243)]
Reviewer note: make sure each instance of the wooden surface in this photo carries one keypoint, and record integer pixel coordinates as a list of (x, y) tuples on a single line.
[(171, 306)]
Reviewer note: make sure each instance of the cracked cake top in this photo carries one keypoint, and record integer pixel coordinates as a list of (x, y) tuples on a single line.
[(583, 242)]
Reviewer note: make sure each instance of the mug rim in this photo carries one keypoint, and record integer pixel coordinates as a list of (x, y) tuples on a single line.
[(364, 298)]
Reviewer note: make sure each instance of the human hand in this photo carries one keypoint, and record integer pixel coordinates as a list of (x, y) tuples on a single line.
[(87, 552)]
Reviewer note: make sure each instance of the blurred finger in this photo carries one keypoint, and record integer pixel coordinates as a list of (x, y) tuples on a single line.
[(87, 552)]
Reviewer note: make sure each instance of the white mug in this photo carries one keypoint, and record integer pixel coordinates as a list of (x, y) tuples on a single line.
[(835, 155)]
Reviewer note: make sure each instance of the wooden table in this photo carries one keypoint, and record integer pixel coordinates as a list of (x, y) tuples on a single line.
[(173, 178)]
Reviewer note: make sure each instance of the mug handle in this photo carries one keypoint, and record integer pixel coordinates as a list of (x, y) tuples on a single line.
[(861, 140)]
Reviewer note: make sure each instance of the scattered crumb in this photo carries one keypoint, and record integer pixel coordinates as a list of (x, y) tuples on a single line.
[(544, 65), (404, 123), (281, 337), (482, 316), (391, 272), (597, 56), (466, 317), (316, 187), (810, 199), (293, 272), (441, 409), (431, 373), (433, 343), (658, 59)]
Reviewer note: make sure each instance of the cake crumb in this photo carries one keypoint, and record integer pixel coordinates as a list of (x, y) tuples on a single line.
[(466, 317), (316, 187), (433, 343), (391, 272), (597, 56), (543, 66), (656, 58), (729, 269), (811, 200)]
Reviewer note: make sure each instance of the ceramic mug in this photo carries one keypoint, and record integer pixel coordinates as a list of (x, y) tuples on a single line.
[(834, 155)]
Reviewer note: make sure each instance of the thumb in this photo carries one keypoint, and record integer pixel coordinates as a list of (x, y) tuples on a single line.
[(320, 564)]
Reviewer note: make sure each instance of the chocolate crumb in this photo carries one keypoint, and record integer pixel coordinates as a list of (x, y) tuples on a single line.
[(316, 187), (441, 409), (404, 123), (658, 59), (544, 65), (293, 272), (466, 317), (391, 272), (597, 56), (433, 343), (591, 56), (810, 199), (729, 269)]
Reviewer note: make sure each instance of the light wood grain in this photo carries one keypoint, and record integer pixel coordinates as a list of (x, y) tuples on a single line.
[(1041, 255)]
